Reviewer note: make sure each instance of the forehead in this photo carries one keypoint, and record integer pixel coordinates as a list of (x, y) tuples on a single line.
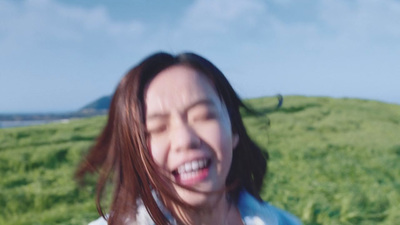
[(176, 87)]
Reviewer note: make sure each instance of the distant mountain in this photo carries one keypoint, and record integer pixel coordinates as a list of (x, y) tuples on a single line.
[(97, 107), (100, 105)]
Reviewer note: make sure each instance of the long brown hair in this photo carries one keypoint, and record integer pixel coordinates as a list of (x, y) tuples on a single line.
[(121, 150)]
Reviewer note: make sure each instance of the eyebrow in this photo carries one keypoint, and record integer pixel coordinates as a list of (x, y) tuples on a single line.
[(194, 104)]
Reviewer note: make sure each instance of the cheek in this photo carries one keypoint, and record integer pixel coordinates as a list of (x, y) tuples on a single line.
[(226, 145), (158, 152), (219, 137)]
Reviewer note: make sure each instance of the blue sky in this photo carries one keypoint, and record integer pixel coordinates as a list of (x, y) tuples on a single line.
[(58, 55)]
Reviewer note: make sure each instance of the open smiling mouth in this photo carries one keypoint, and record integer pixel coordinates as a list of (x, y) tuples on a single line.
[(192, 172)]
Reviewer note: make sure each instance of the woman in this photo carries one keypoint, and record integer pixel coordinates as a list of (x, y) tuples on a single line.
[(177, 150)]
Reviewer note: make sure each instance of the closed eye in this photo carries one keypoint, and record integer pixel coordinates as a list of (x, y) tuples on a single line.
[(157, 130), (202, 113), (204, 116)]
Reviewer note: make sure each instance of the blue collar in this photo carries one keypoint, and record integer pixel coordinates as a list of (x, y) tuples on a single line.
[(254, 212)]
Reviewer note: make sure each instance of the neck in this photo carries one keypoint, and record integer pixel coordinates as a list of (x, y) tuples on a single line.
[(222, 211)]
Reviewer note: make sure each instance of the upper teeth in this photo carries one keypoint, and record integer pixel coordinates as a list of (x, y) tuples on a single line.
[(192, 166)]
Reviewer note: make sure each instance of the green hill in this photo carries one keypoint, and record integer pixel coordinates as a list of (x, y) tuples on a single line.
[(332, 161)]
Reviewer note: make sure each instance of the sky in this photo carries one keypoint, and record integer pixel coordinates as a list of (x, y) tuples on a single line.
[(59, 55)]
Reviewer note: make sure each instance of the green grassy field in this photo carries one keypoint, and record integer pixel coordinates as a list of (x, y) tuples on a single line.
[(332, 161)]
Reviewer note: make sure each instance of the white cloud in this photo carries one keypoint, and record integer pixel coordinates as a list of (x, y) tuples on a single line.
[(37, 22), (362, 19), (348, 48), (51, 49), (223, 15), (274, 51), (283, 2)]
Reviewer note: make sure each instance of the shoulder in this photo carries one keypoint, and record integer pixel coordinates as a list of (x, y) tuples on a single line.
[(99, 221), (254, 212), (142, 216)]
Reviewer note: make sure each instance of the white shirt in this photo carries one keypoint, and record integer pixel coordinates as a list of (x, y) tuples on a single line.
[(252, 211)]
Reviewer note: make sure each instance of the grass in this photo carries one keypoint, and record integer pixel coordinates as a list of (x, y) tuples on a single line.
[(332, 161), (37, 165)]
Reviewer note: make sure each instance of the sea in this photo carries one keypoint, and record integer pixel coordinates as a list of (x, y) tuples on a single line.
[(25, 123)]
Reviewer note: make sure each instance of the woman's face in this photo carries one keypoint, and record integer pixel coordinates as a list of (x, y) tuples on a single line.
[(190, 135)]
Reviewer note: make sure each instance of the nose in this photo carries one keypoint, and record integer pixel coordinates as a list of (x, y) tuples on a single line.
[(184, 137)]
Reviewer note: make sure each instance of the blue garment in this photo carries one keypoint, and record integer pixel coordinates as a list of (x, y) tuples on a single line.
[(254, 212), (251, 211)]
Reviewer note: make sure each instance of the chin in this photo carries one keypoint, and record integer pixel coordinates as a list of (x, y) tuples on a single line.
[(198, 199)]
